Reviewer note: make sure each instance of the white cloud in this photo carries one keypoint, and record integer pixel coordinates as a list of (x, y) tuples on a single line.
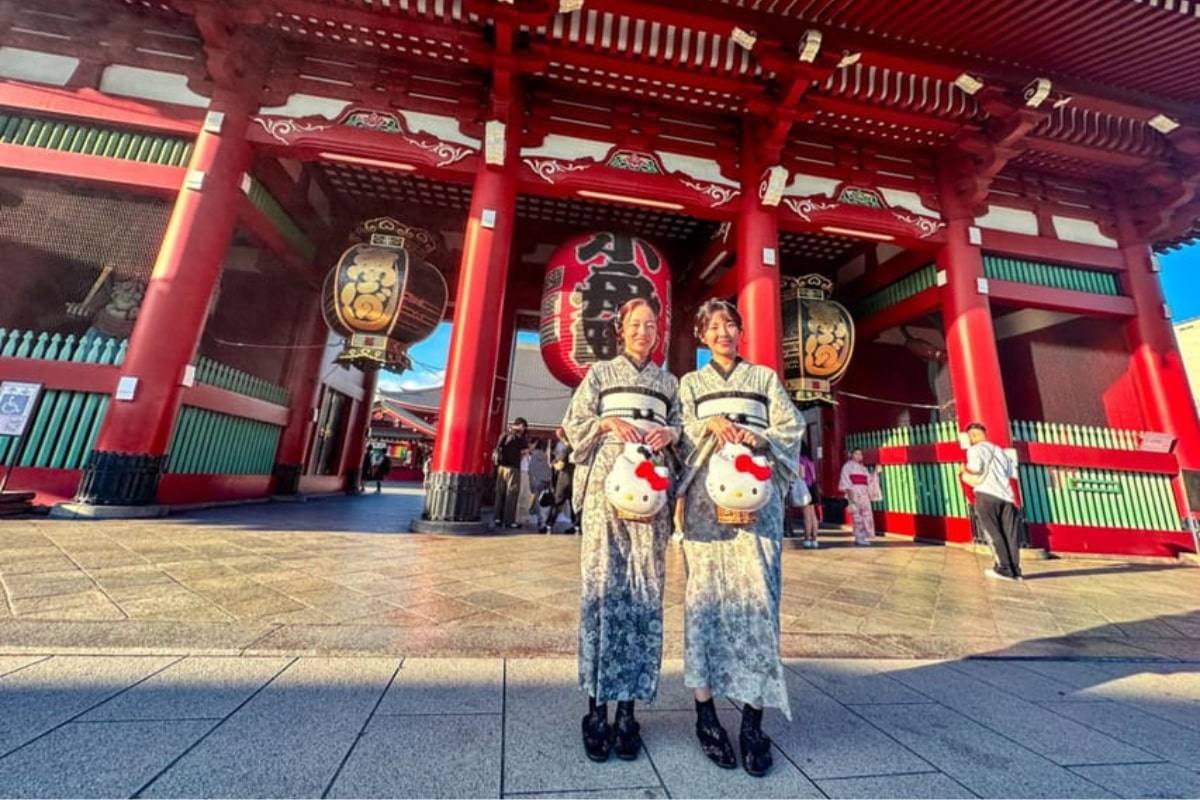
[(411, 381)]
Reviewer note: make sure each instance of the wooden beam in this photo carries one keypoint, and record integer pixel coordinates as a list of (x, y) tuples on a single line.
[(137, 176), (1047, 298), (91, 105)]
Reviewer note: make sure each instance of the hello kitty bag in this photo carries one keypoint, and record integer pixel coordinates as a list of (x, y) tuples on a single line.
[(636, 487), (739, 484)]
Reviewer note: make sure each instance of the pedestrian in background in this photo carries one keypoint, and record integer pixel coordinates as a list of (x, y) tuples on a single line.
[(808, 511), (855, 483), (540, 478), (507, 456), (564, 475), (990, 471)]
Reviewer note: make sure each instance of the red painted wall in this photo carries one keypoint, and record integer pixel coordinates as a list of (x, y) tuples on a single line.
[(1075, 372), (888, 372)]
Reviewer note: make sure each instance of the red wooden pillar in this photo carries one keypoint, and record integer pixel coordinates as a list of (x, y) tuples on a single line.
[(970, 338), (457, 476), (833, 447), (356, 436), (757, 267), (1154, 360), (500, 387), (681, 355), (131, 449), (304, 375)]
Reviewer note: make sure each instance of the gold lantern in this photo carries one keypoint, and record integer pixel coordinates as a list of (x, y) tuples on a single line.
[(818, 338), (382, 295)]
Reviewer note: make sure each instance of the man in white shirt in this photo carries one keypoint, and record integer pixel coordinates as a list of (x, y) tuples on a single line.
[(992, 471)]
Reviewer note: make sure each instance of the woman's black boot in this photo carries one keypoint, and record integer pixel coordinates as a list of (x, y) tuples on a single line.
[(628, 736), (756, 745), (597, 737), (713, 739)]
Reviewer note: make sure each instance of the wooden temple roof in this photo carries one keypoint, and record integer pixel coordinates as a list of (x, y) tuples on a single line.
[(889, 82)]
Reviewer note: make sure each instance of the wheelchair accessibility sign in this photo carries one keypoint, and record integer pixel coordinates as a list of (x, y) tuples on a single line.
[(17, 401)]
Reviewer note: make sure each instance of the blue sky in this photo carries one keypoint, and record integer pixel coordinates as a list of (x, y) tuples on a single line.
[(1180, 277), (1181, 282)]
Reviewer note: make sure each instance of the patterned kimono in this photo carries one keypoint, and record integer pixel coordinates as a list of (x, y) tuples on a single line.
[(731, 638), (622, 562), (855, 481)]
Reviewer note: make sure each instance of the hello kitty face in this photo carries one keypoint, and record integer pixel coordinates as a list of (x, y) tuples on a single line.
[(739, 480), (636, 485)]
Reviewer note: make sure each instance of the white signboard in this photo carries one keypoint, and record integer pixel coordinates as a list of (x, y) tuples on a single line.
[(16, 406)]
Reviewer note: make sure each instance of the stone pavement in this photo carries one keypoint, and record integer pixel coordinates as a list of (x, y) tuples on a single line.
[(201, 726), (299, 650), (319, 578)]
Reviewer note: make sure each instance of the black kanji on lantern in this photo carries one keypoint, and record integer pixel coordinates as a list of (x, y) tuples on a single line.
[(617, 273)]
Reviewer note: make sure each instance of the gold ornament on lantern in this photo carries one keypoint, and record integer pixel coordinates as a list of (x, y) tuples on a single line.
[(818, 338), (382, 295)]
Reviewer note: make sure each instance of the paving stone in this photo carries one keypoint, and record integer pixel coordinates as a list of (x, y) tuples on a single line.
[(670, 741), (984, 762), (289, 740), (1011, 677), (112, 759), (1150, 733), (13, 663), (920, 785), (543, 751), (857, 681), (828, 740), (634, 792), (1144, 780), (1167, 691), (198, 687), (446, 686), (1055, 737), (42, 696), (424, 756)]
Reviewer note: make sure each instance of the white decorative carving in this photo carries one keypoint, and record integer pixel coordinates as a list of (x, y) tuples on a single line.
[(282, 129), (445, 152), (547, 168), (493, 142), (926, 225), (803, 206), (770, 188), (720, 195)]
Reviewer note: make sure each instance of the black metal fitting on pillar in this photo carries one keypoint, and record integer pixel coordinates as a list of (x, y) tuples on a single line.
[(120, 479), (453, 497), (287, 478)]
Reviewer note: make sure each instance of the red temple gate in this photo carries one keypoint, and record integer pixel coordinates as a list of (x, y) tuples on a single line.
[(986, 216)]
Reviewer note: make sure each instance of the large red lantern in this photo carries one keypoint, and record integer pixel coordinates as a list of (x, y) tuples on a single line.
[(588, 279)]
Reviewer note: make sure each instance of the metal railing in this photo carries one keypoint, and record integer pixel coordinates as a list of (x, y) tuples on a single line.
[(94, 140), (1056, 276)]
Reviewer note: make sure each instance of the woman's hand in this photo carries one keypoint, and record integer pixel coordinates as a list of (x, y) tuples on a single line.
[(625, 431), (724, 430), (660, 438), (751, 439)]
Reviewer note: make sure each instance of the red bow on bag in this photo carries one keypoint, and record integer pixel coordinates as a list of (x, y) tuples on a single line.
[(745, 463), (649, 474)]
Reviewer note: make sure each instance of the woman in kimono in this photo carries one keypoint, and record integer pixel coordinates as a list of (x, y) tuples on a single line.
[(628, 399), (855, 483), (731, 607)]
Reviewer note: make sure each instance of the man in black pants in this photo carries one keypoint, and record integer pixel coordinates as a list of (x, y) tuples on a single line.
[(507, 456), (991, 472)]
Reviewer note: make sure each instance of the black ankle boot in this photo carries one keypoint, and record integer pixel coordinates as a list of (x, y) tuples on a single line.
[(756, 745), (597, 737), (713, 739), (627, 732)]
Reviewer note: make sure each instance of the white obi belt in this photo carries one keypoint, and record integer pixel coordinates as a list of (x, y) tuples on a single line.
[(644, 408), (744, 408)]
